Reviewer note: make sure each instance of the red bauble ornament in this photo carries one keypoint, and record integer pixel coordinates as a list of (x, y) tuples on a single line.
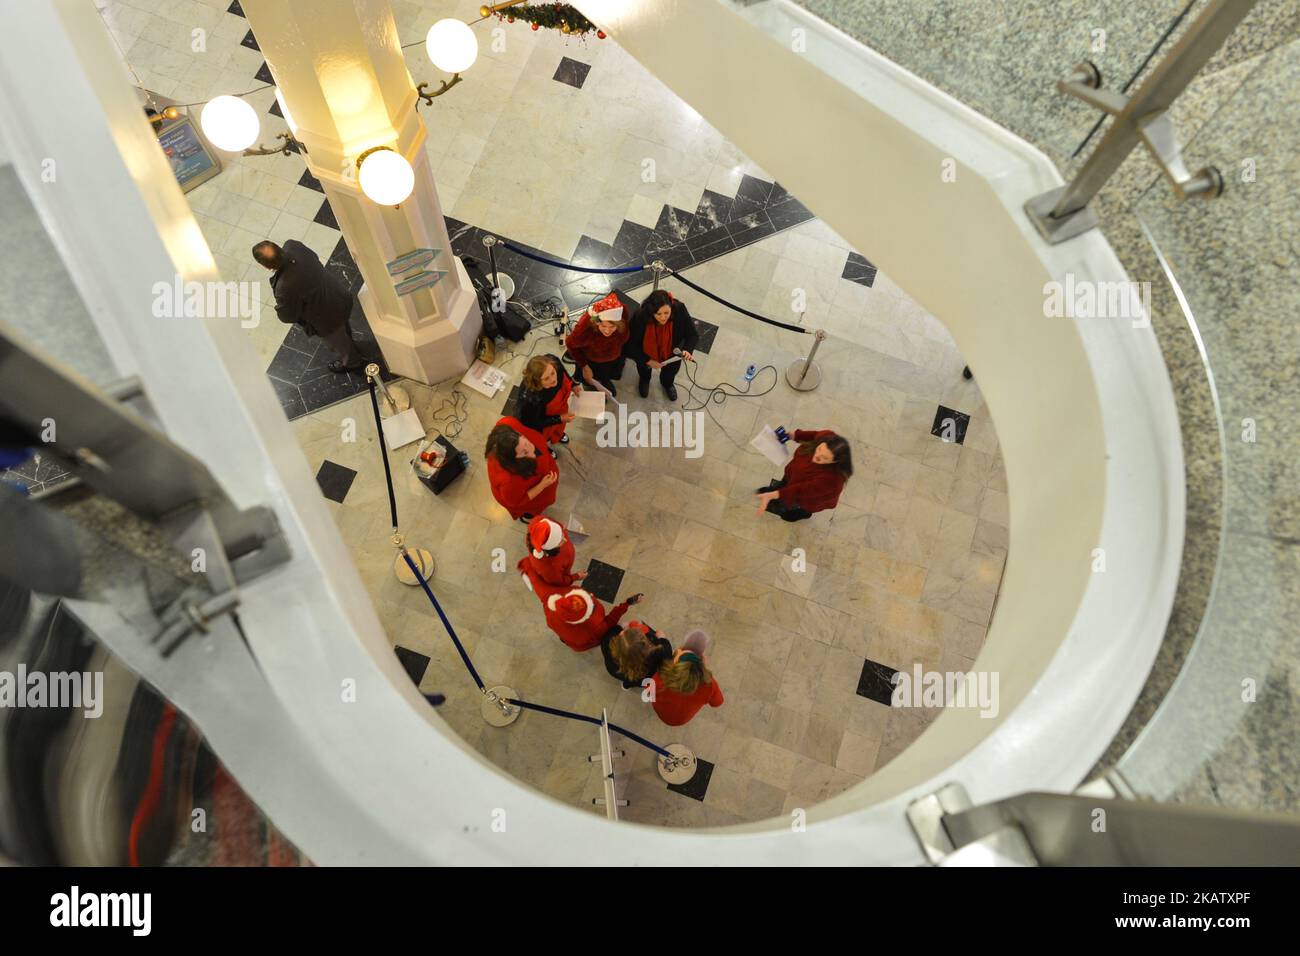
[(601, 34), (534, 26), (510, 19)]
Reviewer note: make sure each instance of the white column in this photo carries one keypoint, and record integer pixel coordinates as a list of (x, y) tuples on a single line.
[(339, 67)]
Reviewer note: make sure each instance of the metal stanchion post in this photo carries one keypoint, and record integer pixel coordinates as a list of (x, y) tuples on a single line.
[(680, 766), (396, 398), (804, 374), (502, 284), (496, 708), (659, 269)]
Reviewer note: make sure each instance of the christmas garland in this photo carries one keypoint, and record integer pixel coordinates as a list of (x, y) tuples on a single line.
[(564, 17)]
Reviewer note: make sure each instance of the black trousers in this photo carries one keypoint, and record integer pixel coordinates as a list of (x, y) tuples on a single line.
[(666, 374), (780, 509), (340, 341), (605, 372)]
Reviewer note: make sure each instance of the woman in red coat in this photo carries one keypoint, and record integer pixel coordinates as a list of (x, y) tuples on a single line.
[(521, 469), (682, 687), (579, 618), (596, 344), (544, 399), (813, 478), (549, 562)]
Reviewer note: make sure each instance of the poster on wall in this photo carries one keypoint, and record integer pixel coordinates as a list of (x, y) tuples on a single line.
[(192, 161)]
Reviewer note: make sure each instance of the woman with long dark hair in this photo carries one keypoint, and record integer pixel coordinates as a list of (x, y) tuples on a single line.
[(813, 478), (521, 469), (662, 335)]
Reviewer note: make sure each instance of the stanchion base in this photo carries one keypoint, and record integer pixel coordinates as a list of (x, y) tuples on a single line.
[(810, 381), (491, 710), (401, 398), (423, 560), (685, 767)]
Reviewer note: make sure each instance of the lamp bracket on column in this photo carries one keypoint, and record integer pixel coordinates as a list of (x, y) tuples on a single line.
[(422, 90), (291, 145)]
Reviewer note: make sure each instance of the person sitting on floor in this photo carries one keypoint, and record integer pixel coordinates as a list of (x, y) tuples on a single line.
[(521, 469)]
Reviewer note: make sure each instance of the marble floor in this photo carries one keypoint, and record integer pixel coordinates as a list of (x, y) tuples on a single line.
[(905, 570)]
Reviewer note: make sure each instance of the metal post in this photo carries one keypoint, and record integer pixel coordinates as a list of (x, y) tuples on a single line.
[(396, 397), (804, 374), (491, 243), (659, 269), (1063, 213)]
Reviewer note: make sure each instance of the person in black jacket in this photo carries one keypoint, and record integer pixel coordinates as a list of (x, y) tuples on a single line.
[(544, 398), (660, 330), (307, 294), (633, 653)]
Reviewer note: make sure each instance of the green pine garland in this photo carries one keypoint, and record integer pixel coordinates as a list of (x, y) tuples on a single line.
[(551, 16)]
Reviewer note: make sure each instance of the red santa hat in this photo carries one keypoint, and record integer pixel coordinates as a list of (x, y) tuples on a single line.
[(544, 535), (608, 309), (574, 607)]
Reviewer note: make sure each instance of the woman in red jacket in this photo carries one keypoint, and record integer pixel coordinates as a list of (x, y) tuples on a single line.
[(813, 478), (521, 469), (549, 562), (580, 620), (682, 687), (544, 399), (596, 344)]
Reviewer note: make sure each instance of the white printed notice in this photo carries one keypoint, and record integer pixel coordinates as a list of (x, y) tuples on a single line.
[(589, 403), (767, 444), (484, 379)]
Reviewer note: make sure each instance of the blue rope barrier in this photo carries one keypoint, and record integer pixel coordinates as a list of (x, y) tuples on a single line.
[(445, 623), (641, 740), (735, 308), (555, 711), (568, 265)]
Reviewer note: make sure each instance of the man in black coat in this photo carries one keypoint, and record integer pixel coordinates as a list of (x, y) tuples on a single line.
[(661, 330), (307, 294)]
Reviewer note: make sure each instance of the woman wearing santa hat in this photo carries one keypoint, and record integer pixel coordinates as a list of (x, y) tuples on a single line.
[(661, 331), (813, 478), (549, 561), (521, 469), (683, 686), (596, 344), (579, 618), (544, 398)]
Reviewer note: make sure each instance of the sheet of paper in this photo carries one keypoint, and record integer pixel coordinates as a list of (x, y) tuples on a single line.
[(589, 403), (770, 447), (402, 429), (484, 379)]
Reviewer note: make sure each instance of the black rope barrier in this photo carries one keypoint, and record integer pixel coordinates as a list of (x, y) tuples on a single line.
[(591, 720), (383, 453), (735, 308), (568, 265), (464, 655)]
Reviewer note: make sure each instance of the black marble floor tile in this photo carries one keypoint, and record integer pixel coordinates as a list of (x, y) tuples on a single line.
[(330, 389), (603, 580), (414, 663), (342, 265), (877, 682), (858, 269), (310, 181), (631, 243), (787, 213), (708, 332), (698, 785), (592, 253), (275, 109), (290, 399), (335, 480), (755, 190), (250, 41), (537, 291), (510, 407), (325, 216), (299, 340), (263, 75), (751, 228), (672, 229), (235, 8), (950, 425), (572, 72), (713, 211), (290, 365), (715, 242)]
